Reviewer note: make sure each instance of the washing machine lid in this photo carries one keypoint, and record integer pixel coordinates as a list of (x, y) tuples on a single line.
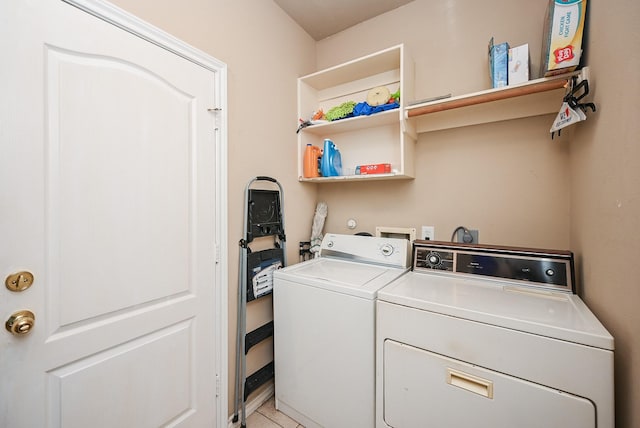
[(342, 276), (553, 314)]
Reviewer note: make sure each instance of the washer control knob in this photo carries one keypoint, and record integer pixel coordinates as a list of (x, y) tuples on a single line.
[(387, 249), (550, 272), (330, 244)]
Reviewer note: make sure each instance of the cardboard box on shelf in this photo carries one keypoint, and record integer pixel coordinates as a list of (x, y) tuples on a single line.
[(562, 37), (379, 168), (498, 64), (519, 64)]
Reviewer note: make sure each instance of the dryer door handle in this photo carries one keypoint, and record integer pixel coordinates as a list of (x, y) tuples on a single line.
[(469, 382)]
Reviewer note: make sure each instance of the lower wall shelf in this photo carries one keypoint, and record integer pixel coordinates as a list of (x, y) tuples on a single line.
[(366, 177)]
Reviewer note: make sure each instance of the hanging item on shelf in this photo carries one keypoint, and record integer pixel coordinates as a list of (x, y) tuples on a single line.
[(567, 116), (572, 110)]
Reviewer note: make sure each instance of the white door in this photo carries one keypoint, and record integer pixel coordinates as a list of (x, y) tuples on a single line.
[(109, 192)]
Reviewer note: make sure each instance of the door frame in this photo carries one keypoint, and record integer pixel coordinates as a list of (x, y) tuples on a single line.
[(136, 26)]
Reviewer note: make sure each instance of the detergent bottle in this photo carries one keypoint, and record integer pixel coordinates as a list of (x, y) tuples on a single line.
[(331, 163), (311, 155)]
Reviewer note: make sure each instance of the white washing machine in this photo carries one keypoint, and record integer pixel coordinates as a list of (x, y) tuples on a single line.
[(490, 337), (324, 338)]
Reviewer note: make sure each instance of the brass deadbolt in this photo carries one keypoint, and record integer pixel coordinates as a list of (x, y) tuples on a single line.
[(19, 281), (20, 323)]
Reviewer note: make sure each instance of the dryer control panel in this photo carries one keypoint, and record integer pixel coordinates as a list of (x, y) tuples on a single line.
[(549, 269)]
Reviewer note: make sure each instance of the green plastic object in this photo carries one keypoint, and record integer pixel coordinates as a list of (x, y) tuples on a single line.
[(341, 111)]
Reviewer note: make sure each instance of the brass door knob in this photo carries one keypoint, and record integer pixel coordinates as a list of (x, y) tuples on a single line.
[(20, 323)]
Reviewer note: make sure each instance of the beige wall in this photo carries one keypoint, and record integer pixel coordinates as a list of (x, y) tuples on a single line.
[(265, 52), (509, 180), (605, 192)]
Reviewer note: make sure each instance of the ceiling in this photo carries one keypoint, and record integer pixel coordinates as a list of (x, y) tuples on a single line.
[(322, 18)]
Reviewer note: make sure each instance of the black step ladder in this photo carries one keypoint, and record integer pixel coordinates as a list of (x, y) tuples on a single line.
[(263, 217)]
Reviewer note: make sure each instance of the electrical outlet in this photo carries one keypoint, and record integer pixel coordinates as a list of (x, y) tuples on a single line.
[(428, 233), (468, 238)]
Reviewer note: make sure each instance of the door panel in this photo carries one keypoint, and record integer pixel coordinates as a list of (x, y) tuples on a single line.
[(108, 177), (102, 189), (133, 369)]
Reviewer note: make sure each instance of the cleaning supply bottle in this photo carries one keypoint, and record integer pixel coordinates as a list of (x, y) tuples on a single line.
[(331, 163), (311, 155)]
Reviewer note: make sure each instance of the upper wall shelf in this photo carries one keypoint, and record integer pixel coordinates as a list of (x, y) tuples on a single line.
[(390, 136), (383, 137), (354, 123), (534, 98)]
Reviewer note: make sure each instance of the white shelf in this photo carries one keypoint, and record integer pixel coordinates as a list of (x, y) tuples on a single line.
[(382, 118), (390, 136), (367, 177), (357, 69), (534, 98), (383, 137)]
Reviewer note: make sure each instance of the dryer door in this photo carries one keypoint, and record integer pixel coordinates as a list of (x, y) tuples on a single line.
[(426, 389)]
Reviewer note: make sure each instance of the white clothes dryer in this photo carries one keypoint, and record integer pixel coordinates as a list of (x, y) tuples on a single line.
[(490, 337), (324, 329)]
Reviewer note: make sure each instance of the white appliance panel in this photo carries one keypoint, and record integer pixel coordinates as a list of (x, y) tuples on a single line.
[(551, 362), (324, 338), (367, 249), (452, 393), (553, 314), (357, 279), (515, 353), (324, 347)]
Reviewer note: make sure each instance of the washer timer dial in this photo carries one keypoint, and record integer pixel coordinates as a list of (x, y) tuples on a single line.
[(387, 249)]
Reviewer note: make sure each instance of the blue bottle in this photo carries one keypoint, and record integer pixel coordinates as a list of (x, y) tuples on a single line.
[(331, 163)]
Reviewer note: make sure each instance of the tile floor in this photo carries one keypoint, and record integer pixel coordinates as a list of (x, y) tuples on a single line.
[(268, 417)]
